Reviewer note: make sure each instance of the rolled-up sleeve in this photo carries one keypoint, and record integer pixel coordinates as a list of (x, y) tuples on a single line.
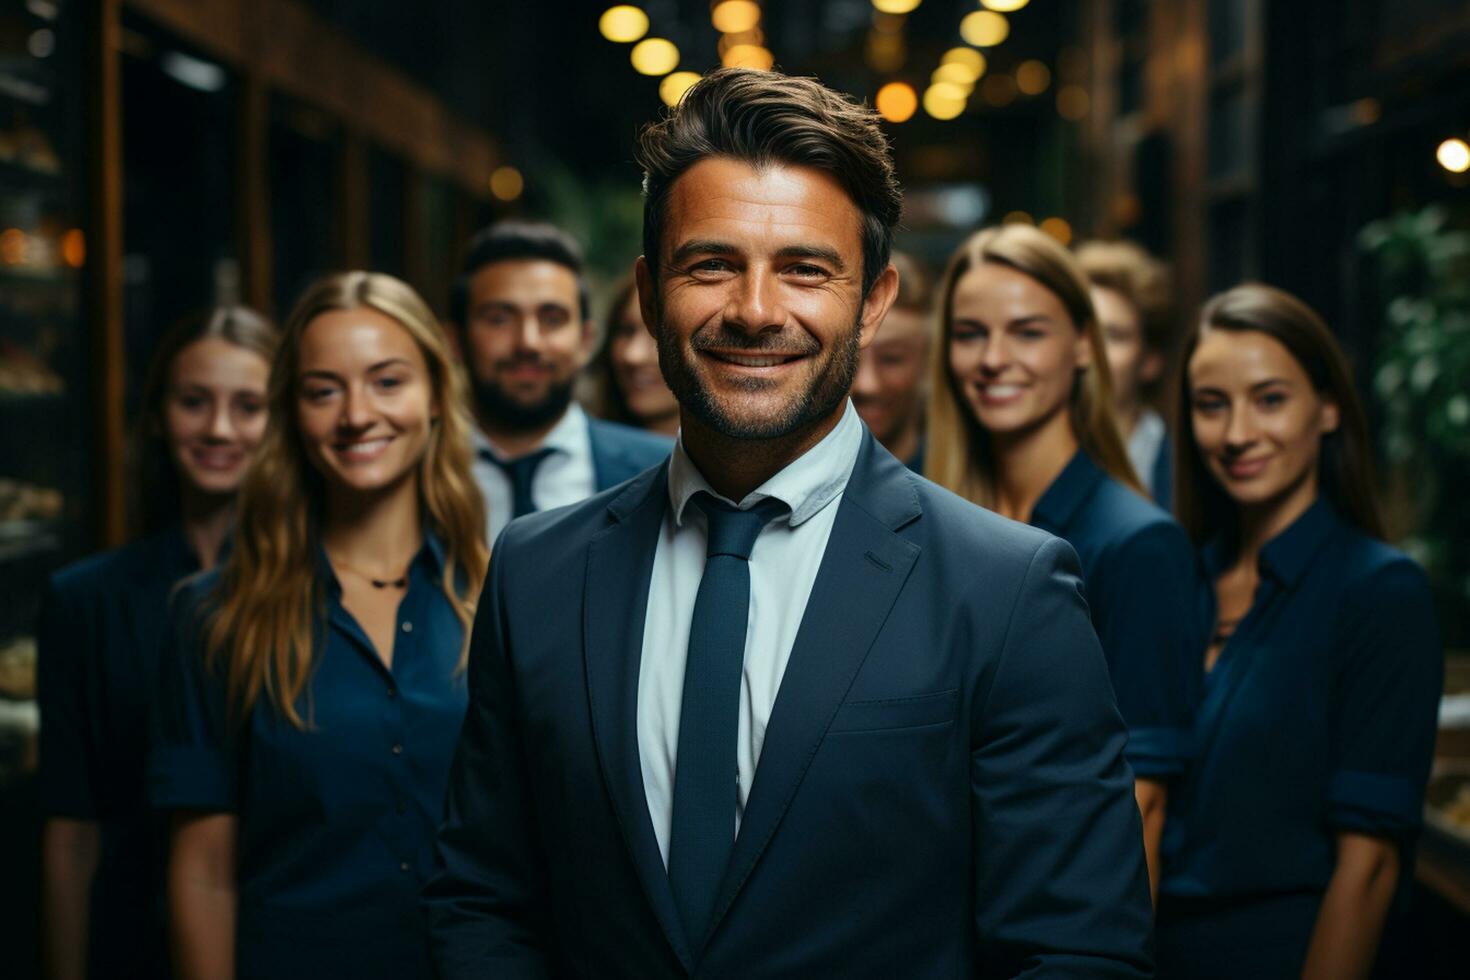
[(192, 754), (1389, 672)]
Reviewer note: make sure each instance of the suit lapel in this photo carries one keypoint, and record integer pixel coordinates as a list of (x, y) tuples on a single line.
[(862, 572), (619, 567)]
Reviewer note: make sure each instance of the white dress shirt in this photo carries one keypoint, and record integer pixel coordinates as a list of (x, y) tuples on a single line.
[(565, 477), (1144, 445), (783, 568)]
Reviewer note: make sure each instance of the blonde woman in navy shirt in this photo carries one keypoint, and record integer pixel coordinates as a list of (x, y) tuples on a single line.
[(102, 622), (1288, 839), (315, 687), (1021, 421)]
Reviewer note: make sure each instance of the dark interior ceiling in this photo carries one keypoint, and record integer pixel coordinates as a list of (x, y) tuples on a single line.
[(542, 80)]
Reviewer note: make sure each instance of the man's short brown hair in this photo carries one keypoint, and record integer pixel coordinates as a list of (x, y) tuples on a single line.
[(765, 118)]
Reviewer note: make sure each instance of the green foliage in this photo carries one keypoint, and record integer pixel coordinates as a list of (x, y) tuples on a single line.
[(605, 217), (1422, 382)]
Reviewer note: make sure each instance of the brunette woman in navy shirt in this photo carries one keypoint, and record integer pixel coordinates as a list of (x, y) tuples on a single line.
[(1021, 421), (314, 691), (1294, 826), (102, 621)]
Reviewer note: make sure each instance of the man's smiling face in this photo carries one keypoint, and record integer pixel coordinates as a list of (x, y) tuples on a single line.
[(758, 307)]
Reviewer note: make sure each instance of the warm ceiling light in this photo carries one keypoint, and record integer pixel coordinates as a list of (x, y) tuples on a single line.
[(1032, 77), (1072, 102), (734, 16), (1016, 218), (506, 183), (895, 6), (956, 74), (673, 87), (754, 36), (654, 56), (1004, 6), (969, 57), (984, 28), (1454, 155), (885, 53), (624, 23), (897, 102), (1057, 228), (748, 56), (943, 100)]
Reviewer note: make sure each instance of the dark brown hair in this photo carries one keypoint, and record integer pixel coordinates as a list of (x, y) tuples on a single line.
[(155, 480), (764, 118), (1345, 465), (607, 394)]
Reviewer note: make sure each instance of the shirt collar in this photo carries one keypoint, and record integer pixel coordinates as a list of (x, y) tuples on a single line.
[(569, 436), (1287, 556), (807, 484), (1059, 504), (1289, 553)]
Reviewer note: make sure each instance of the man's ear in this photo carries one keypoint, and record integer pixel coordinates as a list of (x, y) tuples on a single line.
[(1331, 417), (647, 300), (589, 340), (876, 304)]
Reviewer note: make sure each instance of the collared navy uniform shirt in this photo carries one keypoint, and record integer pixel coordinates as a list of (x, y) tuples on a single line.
[(102, 624), (336, 822), (1318, 717), (1141, 579)]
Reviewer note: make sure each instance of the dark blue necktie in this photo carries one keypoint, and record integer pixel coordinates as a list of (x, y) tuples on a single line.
[(706, 773), (521, 471)]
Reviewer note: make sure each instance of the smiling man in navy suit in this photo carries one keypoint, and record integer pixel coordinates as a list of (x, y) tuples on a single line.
[(779, 707)]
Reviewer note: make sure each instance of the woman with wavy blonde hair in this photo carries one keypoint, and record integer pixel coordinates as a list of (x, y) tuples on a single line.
[(313, 694), (1020, 421)]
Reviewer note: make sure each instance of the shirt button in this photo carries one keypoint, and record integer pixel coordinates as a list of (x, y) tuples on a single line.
[(402, 865), (397, 749), (407, 626), (392, 691)]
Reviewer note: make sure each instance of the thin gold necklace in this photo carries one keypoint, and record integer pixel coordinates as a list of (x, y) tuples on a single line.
[(401, 582)]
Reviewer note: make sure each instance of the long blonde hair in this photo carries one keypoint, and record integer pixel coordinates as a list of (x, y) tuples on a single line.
[(958, 454), (259, 634)]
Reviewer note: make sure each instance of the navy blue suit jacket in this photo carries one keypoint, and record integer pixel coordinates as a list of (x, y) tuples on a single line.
[(621, 452), (941, 791)]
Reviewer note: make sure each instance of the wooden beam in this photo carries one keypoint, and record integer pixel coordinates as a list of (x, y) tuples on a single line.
[(104, 274)]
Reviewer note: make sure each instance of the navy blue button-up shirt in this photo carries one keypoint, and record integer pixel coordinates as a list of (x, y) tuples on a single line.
[(1319, 716), (1142, 584), (102, 622), (336, 822)]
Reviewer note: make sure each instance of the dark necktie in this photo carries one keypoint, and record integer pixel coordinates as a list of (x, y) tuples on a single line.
[(520, 471), (706, 774)]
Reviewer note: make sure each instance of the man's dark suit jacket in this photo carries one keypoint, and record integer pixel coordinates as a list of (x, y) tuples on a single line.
[(621, 452), (941, 792)]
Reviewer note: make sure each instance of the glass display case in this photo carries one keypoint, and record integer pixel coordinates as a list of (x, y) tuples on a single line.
[(45, 419)]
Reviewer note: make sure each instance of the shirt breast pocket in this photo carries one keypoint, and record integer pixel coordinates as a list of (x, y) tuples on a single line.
[(896, 714)]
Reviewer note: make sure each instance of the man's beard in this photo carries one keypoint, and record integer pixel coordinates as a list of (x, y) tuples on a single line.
[(828, 383), (493, 405)]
